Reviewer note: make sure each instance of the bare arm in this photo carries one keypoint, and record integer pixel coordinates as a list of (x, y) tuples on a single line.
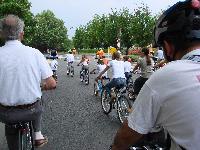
[(48, 84), (99, 76), (136, 67), (125, 137), (80, 62)]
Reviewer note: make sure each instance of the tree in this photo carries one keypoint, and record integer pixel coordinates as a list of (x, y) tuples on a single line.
[(20, 8), (50, 32)]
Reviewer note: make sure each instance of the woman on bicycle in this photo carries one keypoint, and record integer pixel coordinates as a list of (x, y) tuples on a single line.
[(146, 64), (119, 78), (85, 65)]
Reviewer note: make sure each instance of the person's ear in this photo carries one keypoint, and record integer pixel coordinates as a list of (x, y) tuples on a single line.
[(21, 36), (169, 49)]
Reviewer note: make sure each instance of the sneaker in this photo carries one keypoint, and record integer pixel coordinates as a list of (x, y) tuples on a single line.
[(41, 142), (81, 80)]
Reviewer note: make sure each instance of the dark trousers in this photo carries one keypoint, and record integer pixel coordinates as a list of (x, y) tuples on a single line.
[(138, 84), (15, 115)]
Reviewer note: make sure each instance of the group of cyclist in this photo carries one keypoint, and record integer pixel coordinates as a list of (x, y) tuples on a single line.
[(167, 98)]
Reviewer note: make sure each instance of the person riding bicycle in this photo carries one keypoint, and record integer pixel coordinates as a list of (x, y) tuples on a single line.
[(21, 71), (145, 63), (127, 69), (118, 76), (70, 60), (54, 67), (85, 65), (170, 98)]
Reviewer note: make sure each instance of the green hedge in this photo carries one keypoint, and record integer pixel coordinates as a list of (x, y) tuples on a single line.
[(134, 58)]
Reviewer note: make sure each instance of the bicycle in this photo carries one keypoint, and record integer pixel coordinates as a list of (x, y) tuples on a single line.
[(122, 103), (70, 69), (84, 75), (98, 87), (55, 75), (130, 88), (25, 134)]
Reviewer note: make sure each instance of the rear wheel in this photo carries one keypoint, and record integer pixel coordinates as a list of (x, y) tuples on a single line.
[(123, 108), (26, 140), (106, 102)]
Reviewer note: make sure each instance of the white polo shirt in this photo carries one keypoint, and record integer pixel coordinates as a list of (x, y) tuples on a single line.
[(171, 99), (21, 71), (127, 66), (117, 68)]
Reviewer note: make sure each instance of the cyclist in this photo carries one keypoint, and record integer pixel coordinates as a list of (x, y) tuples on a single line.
[(119, 78), (85, 65), (70, 60), (127, 69), (22, 68), (54, 67), (170, 98), (145, 63)]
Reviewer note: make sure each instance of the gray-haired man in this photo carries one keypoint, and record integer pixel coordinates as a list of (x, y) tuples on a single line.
[(22, 70)]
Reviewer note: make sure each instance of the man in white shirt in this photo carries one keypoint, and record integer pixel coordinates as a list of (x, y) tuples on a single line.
[(171, 97), (21, 71)]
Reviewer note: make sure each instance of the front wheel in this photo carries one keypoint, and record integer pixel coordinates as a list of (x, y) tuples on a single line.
[(106, 102), (123, 108)]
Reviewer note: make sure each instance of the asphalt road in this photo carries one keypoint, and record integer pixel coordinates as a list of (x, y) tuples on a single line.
[(73, 117)]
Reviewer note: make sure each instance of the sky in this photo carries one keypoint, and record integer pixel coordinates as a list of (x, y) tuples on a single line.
[(79, 12)]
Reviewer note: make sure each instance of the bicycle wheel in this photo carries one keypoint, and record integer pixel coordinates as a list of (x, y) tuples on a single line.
[(25, 137), (87, 78), (130, 90), (106, 102), (123, 108), (72, 71)]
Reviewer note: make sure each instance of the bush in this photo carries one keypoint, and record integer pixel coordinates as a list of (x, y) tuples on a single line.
[(134, 58)]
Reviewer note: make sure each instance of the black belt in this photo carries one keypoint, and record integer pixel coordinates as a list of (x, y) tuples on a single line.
[(26, 106)]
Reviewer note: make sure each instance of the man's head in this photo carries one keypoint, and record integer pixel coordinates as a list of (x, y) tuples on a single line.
[(12, 28), (178, 29)]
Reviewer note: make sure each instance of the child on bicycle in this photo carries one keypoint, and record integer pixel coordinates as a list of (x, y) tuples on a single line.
[(100, 67), (70, 60), (127, 68), (54, 66), (85, 65), (119, 79)]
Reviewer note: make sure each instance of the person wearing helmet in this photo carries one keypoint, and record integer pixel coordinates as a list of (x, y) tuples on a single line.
[(70, 60), (170, 97)]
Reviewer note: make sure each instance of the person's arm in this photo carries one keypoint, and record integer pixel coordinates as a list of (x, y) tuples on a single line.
[(99, 76), (80, 62), (136, 67), (48, 84), (125, 137)]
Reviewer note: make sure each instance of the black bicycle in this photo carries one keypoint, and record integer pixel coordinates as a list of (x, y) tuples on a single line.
[(85, 76), (25, 135), (118, 100), (70, 69)]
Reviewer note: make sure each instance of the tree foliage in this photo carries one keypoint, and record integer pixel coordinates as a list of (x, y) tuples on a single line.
[(103, 31), (41, 31), (50, 32), (20, 8)]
